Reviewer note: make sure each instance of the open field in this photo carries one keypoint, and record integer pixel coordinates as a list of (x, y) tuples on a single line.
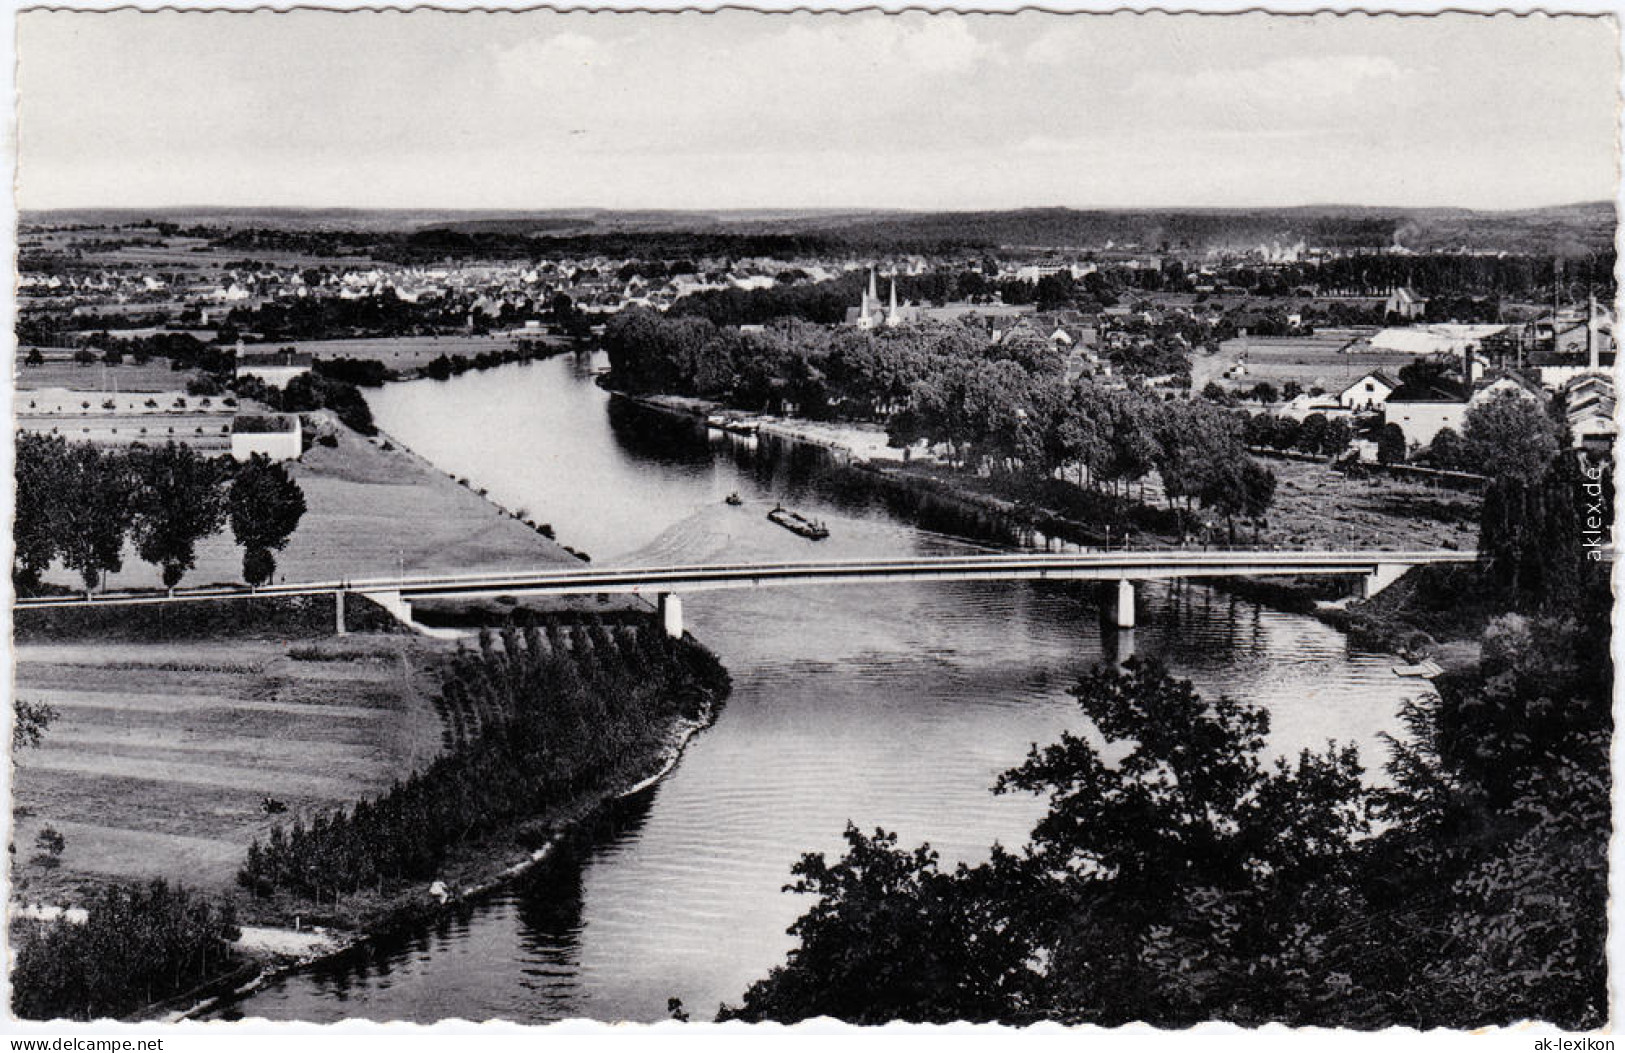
[(1316, 507), (159, 756), (371, 512), (59, 370), (410, 352)]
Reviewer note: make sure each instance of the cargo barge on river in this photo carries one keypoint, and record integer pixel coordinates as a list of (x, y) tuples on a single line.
[(798, 523)]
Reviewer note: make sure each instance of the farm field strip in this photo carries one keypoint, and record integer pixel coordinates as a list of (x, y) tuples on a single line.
[(192, 774), (170, 704)]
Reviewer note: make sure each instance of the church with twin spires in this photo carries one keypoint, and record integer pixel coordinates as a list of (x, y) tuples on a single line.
[(872, 314)]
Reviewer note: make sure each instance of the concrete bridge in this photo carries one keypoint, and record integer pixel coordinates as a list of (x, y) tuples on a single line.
[(1376, 570)]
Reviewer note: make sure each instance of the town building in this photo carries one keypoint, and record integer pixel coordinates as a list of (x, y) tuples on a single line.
[(1422, 410), (1589, 404), (1367, 393), (1403, 303), (278, 436)]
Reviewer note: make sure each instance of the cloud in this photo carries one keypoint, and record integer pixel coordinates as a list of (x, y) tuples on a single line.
[(541, 62), (796, 81)]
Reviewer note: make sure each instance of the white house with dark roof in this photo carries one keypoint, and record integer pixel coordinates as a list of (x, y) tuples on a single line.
[(1369, 392)]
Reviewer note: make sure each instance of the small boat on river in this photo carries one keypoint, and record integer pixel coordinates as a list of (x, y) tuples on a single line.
[(734, 499), (797, 523)]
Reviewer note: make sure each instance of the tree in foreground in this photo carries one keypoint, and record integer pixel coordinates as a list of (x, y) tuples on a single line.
[(1148, 880), (265, 507), (1187, 880), (138, 944)]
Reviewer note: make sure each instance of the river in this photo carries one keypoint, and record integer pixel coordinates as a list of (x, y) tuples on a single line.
[(892, 705)]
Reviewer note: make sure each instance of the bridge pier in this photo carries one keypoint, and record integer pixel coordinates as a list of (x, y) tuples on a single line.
[(338, 612), (670, 610), (1123, 613), (1118, 646), (1385, 575)]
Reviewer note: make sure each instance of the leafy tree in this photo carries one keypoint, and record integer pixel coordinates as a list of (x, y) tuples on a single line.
[(1447, 451), (29, 721), (41, 461), (138, 944), (894, 937), (51, 845), (1509, 436), (1164, 885), (1391, 444), (1312, 433), (91, 515), (179, 500), (265, 506), (34, 358), (1178, 878)]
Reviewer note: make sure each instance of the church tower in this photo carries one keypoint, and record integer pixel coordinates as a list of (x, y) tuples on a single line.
[(870, 306), (893, 319)]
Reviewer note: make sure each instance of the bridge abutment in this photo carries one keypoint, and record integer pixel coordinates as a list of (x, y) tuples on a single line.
[(1385, 575), (670, 611)]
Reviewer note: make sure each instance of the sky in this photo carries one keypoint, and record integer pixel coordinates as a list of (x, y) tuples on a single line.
[(538, 110)]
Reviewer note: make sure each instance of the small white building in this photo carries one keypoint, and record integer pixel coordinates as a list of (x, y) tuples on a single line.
[(276, 435), (1405, 304), (1367, 393)]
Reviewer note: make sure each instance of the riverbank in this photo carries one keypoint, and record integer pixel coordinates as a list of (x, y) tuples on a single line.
[(476, 871)]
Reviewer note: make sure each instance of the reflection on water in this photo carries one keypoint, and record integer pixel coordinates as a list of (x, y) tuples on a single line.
[(891, 705)]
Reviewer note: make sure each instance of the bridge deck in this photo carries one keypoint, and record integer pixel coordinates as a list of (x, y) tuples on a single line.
[(1082, 566)]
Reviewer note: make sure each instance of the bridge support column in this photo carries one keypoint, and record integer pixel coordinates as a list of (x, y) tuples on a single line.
[(1383, 576), (338, 612), (1118, 646), (1123, 612), (671, 614)]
